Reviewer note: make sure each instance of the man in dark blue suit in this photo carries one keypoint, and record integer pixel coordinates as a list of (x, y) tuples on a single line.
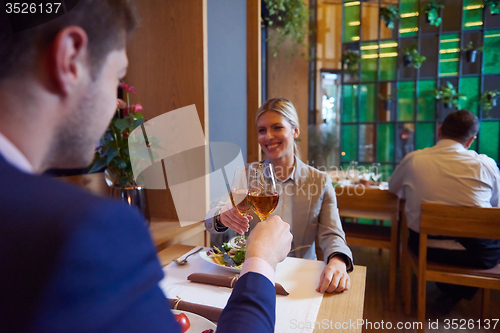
[(71, 261)]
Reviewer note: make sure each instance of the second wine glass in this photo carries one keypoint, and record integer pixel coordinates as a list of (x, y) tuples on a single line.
[(262, 194), (239, 199)]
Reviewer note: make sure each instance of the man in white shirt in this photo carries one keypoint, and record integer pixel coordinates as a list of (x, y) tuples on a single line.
[(449, 173)]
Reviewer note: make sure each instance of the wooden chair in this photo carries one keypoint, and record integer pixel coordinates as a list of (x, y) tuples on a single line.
[(372, 203), (454, 221)]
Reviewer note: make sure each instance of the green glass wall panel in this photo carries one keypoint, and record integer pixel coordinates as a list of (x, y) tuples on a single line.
[(351, 21), (449, 54), (368, 100), (385, 143), (425, 135), (386, 171), (470, 87), (426, 107), (349, 103), (409, 18), (369, 55), (488, 138), (491, 53), (349, 142), (406, 100), (473, 14), (388, 60)]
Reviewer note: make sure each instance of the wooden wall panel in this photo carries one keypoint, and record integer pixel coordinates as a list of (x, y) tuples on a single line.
[(168, 66), (287, 77), (254, 80)]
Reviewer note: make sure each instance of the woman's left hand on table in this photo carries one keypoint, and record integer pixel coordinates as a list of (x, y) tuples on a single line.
[(334, 277)]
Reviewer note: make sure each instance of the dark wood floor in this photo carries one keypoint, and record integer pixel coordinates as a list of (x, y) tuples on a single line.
[(437, 308)]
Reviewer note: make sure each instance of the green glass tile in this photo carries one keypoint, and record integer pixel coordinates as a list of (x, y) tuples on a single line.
[(426, 107), (449, 55), (406, 100), (470, 87), (409, 18), (351, 22), (385, 143), (491, 53), (349, 142), (425, 135), (386, 171), (369, 55), (388, 60), (368, 100), (488, 138), (349, 103), (472, 14)]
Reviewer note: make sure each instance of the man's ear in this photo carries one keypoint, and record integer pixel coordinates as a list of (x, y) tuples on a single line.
[(69, 59), (469, 142), (439, 132)]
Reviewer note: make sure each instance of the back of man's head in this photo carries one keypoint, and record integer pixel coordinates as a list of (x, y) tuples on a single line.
[(106, 23), (460, 126)]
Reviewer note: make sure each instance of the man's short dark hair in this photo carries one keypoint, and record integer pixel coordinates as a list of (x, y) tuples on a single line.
[(460, 126), (106, 23)]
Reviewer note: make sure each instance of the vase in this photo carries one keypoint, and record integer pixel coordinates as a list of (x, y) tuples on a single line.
[(134, 196)]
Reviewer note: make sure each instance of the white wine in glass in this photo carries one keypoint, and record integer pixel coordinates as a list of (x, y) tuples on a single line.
[(262, 194), (239, 199)]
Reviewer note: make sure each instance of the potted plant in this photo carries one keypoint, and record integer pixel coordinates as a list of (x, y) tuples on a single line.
[(471, 52), (489, 99), (113, 154), (290, 18), (350, 62), (432, 11), (494, 6), (412, 58), (389, 14), (449, 95)]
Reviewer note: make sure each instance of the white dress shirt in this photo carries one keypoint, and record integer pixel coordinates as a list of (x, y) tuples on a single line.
[(447, 174), (14, 156)]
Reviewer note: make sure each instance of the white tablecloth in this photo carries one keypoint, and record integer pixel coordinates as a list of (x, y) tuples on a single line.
[(299, 277)]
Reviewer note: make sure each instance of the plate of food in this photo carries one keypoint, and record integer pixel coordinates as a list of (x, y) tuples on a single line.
[(193, 323), (228, 258)]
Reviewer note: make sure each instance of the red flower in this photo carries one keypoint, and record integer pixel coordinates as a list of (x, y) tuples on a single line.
[(120, 103), (128, 88), (136, 108)]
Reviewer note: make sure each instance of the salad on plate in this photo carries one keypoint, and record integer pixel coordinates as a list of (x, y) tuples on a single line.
[(228, 256)]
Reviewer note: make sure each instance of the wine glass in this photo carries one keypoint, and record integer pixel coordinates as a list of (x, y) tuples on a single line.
[(262, 194), (375, 171), (238, 194)]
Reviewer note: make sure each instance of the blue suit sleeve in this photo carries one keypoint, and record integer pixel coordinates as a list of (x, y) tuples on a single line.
[(251, 307)]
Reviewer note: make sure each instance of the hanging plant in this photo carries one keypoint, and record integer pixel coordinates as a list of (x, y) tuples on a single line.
[(433, 12), (449, 95), (389, 14), (494, 6), (412, 58), (471, 52), (489, 99), (290, 18), (350, 62)]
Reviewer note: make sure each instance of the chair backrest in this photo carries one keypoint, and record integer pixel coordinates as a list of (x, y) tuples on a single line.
[(457, 221), (371, 203)]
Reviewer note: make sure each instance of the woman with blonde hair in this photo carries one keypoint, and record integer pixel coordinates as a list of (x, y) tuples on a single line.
[(307, 198)]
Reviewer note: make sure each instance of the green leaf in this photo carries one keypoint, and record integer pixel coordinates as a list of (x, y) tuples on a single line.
[(97, 165), (122, 124), (111, 155)]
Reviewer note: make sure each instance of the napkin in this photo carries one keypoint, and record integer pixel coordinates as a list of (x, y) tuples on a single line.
[(210, 312), (226, 281)]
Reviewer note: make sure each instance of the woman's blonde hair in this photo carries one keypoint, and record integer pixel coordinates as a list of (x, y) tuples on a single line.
[(285, 108)]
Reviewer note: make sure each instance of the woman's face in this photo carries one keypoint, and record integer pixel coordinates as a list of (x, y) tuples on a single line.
[(275, 136)]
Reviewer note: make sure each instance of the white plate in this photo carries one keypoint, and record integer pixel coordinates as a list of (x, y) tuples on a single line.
[(198, 323), (203, 255)]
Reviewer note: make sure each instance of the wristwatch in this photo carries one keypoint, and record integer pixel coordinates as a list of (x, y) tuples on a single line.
[(218, 226)]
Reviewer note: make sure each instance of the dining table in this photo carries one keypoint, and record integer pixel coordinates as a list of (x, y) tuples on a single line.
[(339, 312)]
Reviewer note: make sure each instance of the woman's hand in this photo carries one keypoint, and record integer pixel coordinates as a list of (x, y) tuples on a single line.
[(233, 220), (334, 277)]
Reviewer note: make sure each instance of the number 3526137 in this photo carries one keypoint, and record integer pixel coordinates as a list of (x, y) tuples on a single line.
[(32, 8)]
